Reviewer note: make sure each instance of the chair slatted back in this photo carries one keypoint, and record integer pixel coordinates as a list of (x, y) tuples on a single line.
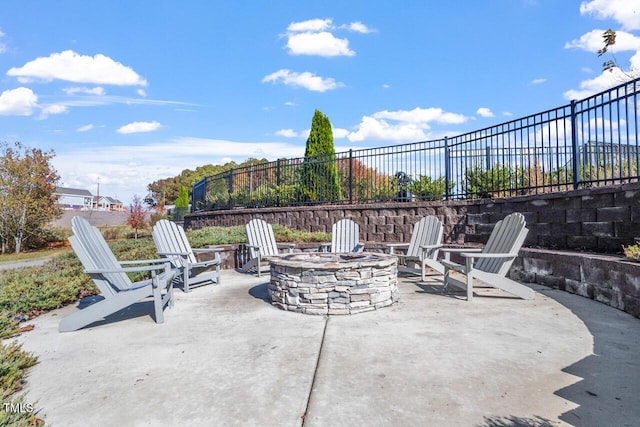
[(260, 233), (345, 236), (170, 237), (94, 253), (427, 231), (507, 237)]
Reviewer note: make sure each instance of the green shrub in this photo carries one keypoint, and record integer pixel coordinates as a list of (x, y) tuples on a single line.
[(216, 236), (499, 181), (425, 188)]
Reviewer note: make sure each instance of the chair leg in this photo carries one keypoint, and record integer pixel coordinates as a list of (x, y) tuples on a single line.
[(185, 279), (445, 279), (259, 263), (469, 274), (157, 304)]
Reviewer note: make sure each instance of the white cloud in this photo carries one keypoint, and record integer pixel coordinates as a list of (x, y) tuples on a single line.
[(18, 102), (98, 90), (340, 133), (386, 86), (507, 113), (50, 109), (604, 81), (320, 43), (422, 115), (3, 46), (316, 37), (411, 124), (310, 25), (593, 41), (484, 112), (305, 80), (626, 12), (538, 81), (138, 127), (141, 92), (358, 27), (73, 67), (85, 128), (290, 104), (287, 133), (371, 128)]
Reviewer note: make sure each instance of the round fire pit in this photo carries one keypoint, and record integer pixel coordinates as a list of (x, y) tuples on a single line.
[(330, 283)]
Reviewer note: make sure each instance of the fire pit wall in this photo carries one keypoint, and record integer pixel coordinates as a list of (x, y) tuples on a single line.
[(333, 284)]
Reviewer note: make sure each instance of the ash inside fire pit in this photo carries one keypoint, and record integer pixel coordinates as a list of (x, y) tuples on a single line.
[(330, 283)]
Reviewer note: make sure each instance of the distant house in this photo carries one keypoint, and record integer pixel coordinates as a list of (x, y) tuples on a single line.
[(108, 204), (74, 198), (78, 199)]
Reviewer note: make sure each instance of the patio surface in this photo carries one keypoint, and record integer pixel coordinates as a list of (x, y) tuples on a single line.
[(225, 356)]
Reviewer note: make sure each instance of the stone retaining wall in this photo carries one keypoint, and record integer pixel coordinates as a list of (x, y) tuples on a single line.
[(598, 219), (612, 280)]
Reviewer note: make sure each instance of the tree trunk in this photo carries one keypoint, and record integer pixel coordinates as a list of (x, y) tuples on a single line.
[(18, 240)]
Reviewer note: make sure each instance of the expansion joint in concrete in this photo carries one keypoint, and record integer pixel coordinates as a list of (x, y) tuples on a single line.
[(315, 372)]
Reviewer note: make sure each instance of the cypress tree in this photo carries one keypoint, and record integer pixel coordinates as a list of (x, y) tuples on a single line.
[(319, 171)]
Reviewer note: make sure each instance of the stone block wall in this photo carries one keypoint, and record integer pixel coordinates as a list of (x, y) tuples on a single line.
[(608, 279), (597, 219)]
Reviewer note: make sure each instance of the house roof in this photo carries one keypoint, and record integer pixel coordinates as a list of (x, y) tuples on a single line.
[(73, 191), (108, 199)]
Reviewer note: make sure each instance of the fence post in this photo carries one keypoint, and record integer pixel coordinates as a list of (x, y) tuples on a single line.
[(574, 145), (487, 155), (447, 169), (350, 177), (278, 182), (230, 187)]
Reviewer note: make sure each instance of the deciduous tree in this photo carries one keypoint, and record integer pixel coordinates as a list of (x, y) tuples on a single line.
[(137, 218), (27, 194)]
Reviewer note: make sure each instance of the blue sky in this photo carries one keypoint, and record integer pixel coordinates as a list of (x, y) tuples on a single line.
[(128, 92)]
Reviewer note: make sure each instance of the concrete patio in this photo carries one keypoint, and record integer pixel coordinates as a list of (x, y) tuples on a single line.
[(225, 356)]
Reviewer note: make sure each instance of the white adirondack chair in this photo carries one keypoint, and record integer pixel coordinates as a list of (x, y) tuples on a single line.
[(172, 244), (494, 260), (345, 237), (261, 242), (422, 251), (110, 276)]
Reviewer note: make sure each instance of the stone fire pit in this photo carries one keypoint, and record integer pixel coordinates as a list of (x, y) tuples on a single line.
[(329, 283)]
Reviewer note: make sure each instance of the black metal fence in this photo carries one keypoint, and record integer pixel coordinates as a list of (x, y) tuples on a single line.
[(591, 142)]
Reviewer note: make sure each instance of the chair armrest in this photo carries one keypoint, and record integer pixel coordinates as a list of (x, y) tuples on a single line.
[(174, 253), (210, 248), (461, 250), (496, 255), (437, 245), (391, 247), (155, 267), (143, 261), (448, 251)]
